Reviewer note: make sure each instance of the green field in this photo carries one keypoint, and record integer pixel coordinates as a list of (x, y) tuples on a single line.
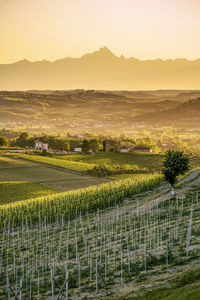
[(21, 190), (105, 164), (98, 169), (151, 162), (15, 169)]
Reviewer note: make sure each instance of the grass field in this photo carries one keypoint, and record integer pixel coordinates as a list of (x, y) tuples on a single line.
[(21, 190), (14, 169)]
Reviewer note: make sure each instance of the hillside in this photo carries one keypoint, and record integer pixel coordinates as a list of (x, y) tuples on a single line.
[(112, 242), (101, 70), (104, 111), (186, 114)]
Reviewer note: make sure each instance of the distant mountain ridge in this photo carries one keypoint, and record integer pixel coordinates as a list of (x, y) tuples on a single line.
[(101, 70)]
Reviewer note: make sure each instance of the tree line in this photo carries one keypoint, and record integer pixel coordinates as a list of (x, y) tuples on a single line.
[(94, 143)]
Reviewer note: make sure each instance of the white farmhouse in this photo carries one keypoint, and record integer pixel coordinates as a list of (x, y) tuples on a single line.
[(40, 146), (124, 149), (78, 149)]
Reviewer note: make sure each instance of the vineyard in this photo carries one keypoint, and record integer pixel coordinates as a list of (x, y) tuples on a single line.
[(105, 164), (151, 162), (100, 170), (94, 240), (67, 205), (67, 164)]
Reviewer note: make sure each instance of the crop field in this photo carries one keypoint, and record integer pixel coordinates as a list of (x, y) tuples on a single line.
[(69, 204), (93, 241), (14, 169), (100, 170), (145, 162), (104, 164), (151, 162)]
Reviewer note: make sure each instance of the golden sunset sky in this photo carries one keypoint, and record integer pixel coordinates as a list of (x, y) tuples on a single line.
[(145, 29)]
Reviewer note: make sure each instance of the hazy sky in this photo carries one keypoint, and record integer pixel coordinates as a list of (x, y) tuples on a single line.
[(52, 29)]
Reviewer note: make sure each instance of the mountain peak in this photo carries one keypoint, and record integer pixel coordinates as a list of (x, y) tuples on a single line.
[(22, 62), (103, 52)]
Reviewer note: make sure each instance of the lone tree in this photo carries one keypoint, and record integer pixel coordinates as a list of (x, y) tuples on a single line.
[(175, 163), (3, 141)]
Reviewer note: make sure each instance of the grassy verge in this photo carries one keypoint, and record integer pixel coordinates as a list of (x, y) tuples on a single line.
[(184, 287)]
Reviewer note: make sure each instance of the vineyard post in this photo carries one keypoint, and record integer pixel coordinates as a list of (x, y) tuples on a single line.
[(38, 285), (67, 279), (97, 277), (52, 285), (8, 287), (121, 267), (20, 291)]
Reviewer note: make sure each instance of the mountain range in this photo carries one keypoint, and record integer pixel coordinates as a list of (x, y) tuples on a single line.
[(101, 70)]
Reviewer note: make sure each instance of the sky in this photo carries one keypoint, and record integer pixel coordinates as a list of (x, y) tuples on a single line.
[(54, 29)]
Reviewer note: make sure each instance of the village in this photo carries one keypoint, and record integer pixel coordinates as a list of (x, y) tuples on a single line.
[(40, 146)]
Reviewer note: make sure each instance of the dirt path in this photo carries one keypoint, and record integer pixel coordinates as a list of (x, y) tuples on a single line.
[(191, 181)]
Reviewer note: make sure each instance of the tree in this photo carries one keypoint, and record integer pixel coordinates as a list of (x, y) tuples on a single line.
[(3, 141), (23, 136), (175, 163), (85, 146), (65, 145), (22, 141), (94, 145)]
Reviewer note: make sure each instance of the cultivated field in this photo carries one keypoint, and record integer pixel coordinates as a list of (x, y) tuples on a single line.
[(106, 164), (22, 190), (112, 241), (124, 239), (14, 169)]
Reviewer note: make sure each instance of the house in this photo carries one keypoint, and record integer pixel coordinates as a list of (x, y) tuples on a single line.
[(142, 149), (78, 149), (124, 149), (40, 146)]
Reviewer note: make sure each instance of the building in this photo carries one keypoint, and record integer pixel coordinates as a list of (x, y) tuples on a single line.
[(124, 150), (142, 149), (40, 146), (78, 149)]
